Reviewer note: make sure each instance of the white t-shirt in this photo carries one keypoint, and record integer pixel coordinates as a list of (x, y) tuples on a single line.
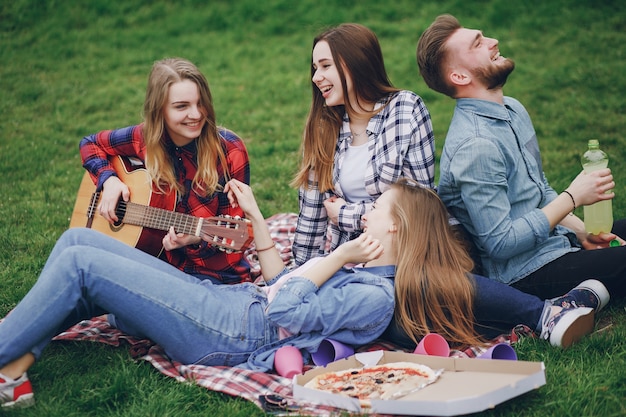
[(352, 174)]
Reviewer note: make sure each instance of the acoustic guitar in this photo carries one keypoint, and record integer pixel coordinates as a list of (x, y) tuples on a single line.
[(146, 218)]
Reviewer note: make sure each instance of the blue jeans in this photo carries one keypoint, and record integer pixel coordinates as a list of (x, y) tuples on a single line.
[(499, 307), (88, 274)]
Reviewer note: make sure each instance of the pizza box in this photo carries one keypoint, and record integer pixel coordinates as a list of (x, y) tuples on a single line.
[(466, 385)]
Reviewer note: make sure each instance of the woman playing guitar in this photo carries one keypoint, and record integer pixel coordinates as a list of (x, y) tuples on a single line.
[(188, 160)]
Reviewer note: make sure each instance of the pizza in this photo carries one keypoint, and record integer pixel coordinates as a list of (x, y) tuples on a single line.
[(388, 381)]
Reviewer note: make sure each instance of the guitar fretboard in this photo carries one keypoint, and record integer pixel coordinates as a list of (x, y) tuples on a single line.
[(158, 218)]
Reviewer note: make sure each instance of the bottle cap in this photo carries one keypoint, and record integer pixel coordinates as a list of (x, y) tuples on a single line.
[(614, 243)]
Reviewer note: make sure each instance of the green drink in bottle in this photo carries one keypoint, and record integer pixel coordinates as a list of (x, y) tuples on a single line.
[(598, 217)]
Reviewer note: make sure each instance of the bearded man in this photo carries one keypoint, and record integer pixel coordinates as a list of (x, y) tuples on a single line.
[(492, 179)]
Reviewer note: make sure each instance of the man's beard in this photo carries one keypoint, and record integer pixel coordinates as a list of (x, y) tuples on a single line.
[(496, 76)]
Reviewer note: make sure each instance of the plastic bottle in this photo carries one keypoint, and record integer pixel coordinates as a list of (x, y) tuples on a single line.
[(598, 217)]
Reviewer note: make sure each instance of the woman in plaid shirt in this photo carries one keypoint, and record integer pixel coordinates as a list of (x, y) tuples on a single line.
[(185, 153), (362, 134)]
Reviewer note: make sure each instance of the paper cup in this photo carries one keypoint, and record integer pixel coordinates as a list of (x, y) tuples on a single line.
[(500, 351), (433, 344), (288, 361), (329, 351)]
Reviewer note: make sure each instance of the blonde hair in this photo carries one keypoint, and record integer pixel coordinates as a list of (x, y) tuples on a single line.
[(356, 52), (434, 289), (210, 150)]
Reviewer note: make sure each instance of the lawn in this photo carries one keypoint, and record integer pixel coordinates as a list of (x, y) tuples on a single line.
[(72, 68)]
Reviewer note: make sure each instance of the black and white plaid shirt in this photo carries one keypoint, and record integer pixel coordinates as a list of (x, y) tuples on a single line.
[(401, 143)]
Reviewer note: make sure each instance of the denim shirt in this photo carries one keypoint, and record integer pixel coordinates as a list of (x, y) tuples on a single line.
[(354, 307), (492, 180)]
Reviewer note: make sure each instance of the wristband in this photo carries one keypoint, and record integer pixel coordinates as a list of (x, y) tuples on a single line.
[(264, 249), (572, 197)]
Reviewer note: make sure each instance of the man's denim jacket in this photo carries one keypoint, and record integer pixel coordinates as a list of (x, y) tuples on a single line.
[(492, 180)]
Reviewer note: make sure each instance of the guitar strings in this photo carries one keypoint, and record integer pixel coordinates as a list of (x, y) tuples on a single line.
[(161, 219)]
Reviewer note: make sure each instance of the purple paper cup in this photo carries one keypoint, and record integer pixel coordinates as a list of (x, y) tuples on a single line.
[(500, 351), (288, 361), (329, 351), (433, 344)]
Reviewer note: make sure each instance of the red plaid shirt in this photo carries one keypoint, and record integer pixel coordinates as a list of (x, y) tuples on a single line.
[(203, 261)]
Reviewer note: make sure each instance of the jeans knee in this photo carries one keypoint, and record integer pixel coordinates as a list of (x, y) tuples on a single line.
[(79, 236)]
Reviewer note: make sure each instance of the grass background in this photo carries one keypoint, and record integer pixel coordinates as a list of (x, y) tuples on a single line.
[(71, 68)]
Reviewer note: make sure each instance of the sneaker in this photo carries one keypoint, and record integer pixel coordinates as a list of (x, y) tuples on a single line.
[(590, 293), (16, 393), (565, 326)]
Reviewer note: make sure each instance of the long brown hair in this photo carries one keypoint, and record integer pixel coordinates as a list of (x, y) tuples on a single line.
[(434, 290), (356, 52), (210, 151)]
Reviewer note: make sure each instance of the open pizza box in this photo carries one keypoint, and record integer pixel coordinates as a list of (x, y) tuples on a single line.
[(465, 386)]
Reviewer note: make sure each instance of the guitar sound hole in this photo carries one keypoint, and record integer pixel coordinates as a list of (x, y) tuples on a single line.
[(120, 211)]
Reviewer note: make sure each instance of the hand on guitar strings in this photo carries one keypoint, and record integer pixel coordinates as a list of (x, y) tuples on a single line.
[(112, 189)]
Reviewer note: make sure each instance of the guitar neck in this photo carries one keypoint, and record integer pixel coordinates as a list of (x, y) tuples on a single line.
[(153, 212), (160, 219)]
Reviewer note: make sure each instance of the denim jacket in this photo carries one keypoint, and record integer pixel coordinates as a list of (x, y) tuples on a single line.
[(353, 307), (492, 180)]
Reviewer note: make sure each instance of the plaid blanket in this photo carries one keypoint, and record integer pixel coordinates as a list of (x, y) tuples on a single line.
[(268, 391)]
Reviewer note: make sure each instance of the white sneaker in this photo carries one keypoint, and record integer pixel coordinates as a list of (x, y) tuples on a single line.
[(565, 326), (16, 393), (590, 293)]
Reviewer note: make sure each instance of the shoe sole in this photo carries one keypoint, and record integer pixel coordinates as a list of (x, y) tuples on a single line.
[(571, 328), (598, 289), (25, 400)]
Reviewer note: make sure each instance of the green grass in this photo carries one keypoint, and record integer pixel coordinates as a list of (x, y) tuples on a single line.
[(71, 68)]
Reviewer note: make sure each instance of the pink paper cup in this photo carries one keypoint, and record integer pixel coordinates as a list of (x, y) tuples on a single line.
[(433, 344), (288, 361), (329, 351), (500, 351)]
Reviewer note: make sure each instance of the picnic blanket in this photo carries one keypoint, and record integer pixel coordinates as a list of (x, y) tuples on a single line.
[(251, 385)]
